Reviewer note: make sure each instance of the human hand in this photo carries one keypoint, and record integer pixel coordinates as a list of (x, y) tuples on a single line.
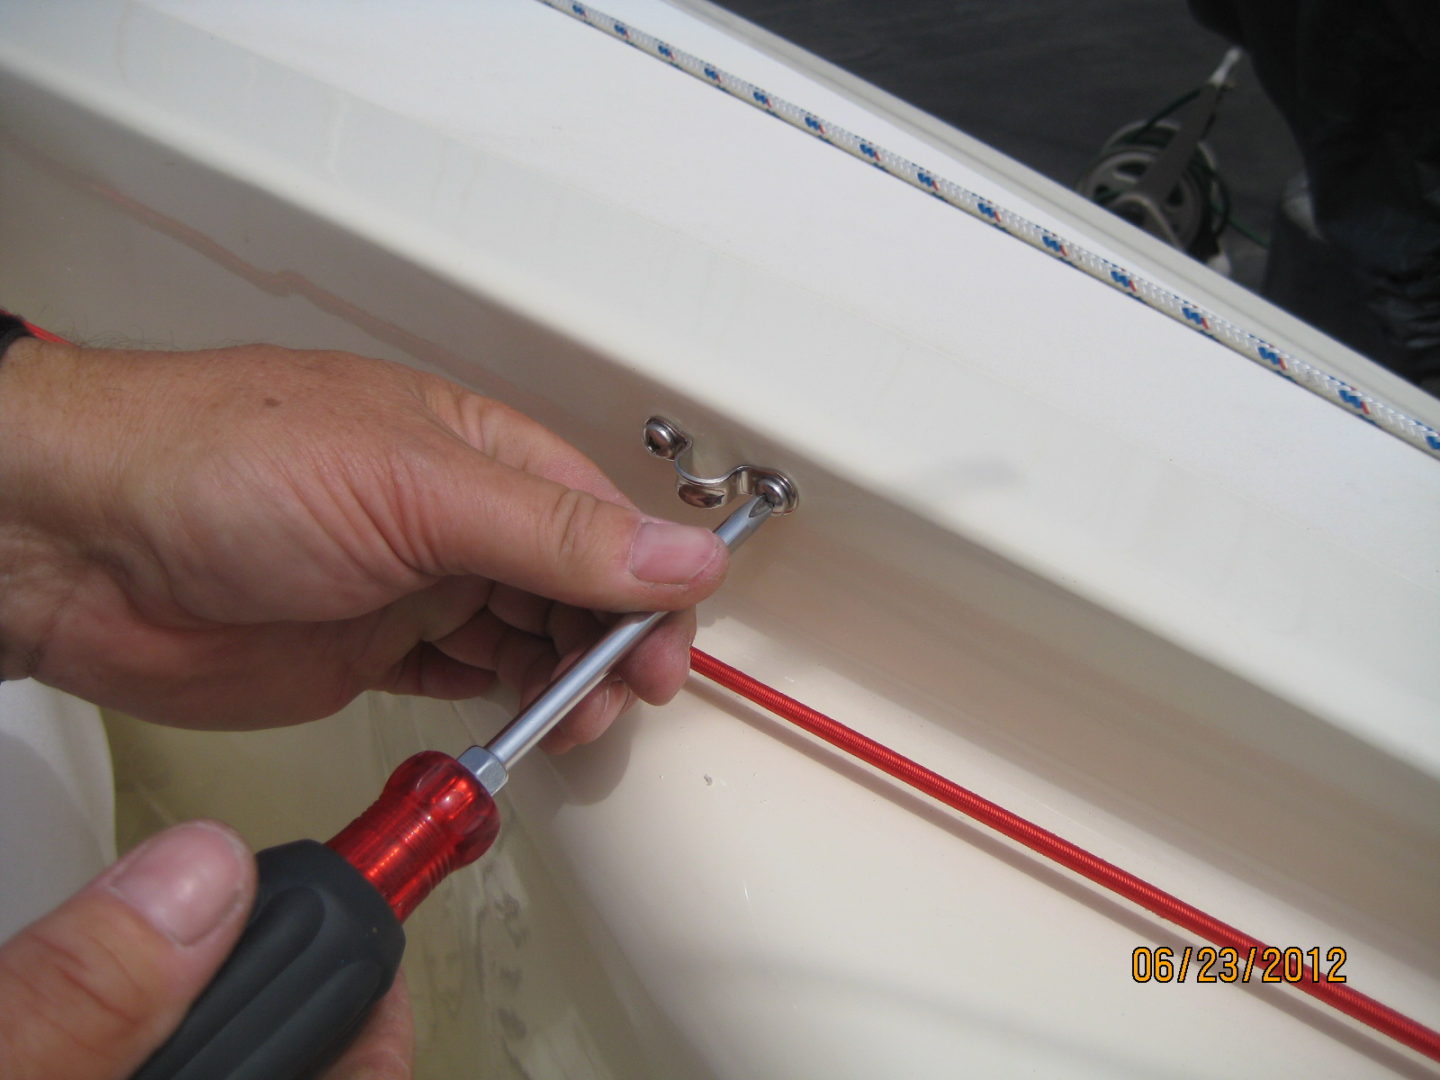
[(92, 989), (250, 537)]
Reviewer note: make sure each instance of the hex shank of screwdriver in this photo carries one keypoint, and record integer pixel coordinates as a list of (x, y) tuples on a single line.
[(562, 695)]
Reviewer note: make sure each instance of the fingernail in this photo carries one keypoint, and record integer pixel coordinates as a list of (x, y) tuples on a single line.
[(627, 698), (616, 693), (184, 881), (670, 554)]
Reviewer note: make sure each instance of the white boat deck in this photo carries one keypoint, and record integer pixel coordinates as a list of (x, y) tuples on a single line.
[(1056, 546)]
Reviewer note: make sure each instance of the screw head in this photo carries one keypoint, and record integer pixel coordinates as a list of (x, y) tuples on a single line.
[(664, 439), (777, 490)]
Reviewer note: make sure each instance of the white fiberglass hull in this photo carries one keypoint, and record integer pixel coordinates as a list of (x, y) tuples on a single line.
[(1053, 544)]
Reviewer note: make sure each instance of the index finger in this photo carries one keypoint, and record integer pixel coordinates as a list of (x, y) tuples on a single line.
[(514, 439)]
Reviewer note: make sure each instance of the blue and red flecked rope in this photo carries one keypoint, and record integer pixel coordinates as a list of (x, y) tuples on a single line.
[(1193, 315)]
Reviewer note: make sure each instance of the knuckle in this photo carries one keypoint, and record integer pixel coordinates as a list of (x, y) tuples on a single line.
[(571, 527), (488, 421)]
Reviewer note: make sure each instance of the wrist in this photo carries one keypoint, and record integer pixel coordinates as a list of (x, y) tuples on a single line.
[(33, 559)]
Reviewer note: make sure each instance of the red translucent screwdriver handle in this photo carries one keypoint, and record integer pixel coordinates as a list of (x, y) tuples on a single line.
[(324, 939), (432, 818)]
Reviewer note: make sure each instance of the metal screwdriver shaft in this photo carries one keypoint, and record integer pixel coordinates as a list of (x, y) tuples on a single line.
[(325, 938), (491, 763)]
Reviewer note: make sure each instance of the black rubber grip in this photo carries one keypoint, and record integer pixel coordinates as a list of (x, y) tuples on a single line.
[(320, 949)]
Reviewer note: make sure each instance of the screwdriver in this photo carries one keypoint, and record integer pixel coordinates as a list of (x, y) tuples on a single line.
[(324, 939)]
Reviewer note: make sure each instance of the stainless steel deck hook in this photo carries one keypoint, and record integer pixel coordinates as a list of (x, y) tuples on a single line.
[(665, 440)]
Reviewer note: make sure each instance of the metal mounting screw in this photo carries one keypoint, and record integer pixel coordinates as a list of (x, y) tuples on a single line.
[(665, 440)]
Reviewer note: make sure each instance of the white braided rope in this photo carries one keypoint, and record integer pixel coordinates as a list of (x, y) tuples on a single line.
[(1197, 317)]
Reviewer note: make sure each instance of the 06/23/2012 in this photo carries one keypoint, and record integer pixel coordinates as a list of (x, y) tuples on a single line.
[(1266, 964)]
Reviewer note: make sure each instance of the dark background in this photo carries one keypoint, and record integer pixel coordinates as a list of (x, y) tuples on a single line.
[(1048, 81)]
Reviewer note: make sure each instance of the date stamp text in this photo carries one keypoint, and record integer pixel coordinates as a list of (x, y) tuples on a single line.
[(1206, 964)]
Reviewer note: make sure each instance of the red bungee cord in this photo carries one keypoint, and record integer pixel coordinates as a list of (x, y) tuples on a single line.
[(1171, 908), (1340, 996)]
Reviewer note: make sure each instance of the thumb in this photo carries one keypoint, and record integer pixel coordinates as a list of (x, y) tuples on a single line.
[(90, 990), (563, 543)]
